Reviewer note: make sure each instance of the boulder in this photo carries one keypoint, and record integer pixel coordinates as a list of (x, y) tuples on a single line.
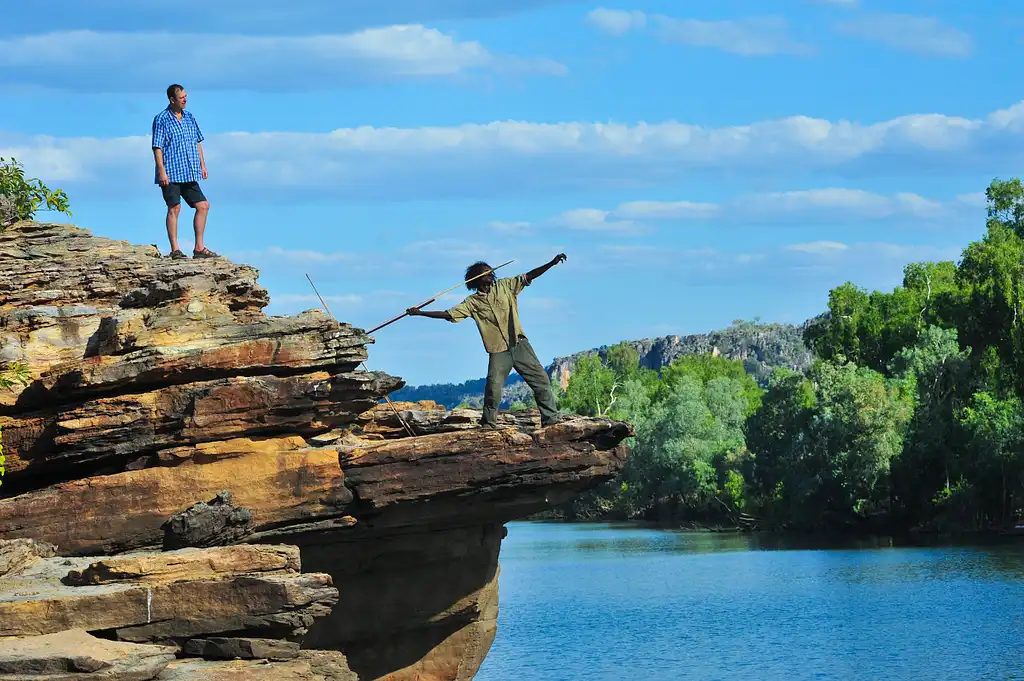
[(212, 523)]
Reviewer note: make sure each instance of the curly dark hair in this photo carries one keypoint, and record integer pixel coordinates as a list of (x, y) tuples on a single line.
[(475, 270)]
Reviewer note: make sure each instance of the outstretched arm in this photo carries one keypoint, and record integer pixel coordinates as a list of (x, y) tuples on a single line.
[(438, 314), (537, 271)]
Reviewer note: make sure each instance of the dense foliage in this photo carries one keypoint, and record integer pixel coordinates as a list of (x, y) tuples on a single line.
[(20, 198), (911, 415)]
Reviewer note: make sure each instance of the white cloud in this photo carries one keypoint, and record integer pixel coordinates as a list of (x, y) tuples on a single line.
[(594, 220), (616, 21), (925, 36), (308, 256), (833, 205), (127, 61), (974, 200), (749, 37), (513, 158), (787, 268), (752, 37), (818, 247), (667, 210), (340, 304), (836, 204)]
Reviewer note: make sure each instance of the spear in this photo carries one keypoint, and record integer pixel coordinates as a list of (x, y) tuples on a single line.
[(405, 425), (435, 297)]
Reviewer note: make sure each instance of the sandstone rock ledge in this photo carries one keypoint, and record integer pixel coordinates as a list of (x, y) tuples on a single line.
[(159, 385), (129, 617)]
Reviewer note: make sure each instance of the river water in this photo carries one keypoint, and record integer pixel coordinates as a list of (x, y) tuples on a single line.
[(600, 602)]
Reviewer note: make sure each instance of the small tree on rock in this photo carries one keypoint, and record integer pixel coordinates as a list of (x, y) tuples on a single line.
[(20, 198)]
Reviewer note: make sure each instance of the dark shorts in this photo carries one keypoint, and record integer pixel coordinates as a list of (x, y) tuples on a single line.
[(174, 192)]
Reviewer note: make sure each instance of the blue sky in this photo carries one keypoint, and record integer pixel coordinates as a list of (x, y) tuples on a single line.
[(697, 162)]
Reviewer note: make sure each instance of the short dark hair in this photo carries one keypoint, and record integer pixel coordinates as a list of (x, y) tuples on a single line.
[(475, 270), (173, 90)]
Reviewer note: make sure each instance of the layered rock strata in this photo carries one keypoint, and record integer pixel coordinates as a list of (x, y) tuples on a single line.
[(131, 616), (75, 655), (166, 410), (168, 597)]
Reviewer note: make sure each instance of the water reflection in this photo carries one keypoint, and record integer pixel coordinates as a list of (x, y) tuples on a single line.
[(639, 537), (617, 602)]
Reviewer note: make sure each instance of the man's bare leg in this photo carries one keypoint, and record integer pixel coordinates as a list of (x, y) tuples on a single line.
[(172, 226), (199, 223)]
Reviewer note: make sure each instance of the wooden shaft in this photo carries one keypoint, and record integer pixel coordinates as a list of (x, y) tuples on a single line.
[(405, 425)]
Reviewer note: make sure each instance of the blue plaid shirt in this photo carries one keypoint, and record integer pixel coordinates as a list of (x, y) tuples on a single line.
[(178, 140)]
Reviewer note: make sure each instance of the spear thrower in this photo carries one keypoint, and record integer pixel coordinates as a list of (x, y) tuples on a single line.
[(394, 319)]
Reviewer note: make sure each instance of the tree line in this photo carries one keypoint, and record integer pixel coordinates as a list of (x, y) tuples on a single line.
[(910, 417)]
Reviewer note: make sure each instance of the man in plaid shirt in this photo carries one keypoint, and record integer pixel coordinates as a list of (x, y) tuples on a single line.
[(178, 151)]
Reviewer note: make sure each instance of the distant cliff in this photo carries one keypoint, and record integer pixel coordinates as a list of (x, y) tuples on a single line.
[(761, 348)]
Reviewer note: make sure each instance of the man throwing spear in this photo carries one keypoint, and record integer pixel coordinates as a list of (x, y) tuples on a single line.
[(495, 308)]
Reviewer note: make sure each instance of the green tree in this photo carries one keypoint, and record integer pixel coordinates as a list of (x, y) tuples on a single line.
[(870, 328), (596, 388), (777, 434), (20, 198), (990, 274), (623, 360), (688, 436), (996, 429), (1006, 203), (591, 389), (705, 368), (824, 461), (941, 373)]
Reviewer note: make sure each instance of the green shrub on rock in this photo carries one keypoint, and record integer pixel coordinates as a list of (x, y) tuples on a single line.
[(20, 198)]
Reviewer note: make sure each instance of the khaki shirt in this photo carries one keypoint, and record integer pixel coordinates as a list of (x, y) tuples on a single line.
[(496, 314)]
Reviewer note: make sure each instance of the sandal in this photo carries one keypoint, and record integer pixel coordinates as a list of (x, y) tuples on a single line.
[(205, 253), (177, 255)]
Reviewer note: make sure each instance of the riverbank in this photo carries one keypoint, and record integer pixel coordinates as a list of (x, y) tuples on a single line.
[(908, 535)]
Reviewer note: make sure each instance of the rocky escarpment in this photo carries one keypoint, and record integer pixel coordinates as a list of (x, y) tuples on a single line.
[(165, 411), (761, 348)]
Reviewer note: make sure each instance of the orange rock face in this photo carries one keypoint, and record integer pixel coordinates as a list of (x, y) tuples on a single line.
[(158, 384)]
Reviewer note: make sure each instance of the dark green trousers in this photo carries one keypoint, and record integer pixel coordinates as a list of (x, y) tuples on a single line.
[(523, 359)]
